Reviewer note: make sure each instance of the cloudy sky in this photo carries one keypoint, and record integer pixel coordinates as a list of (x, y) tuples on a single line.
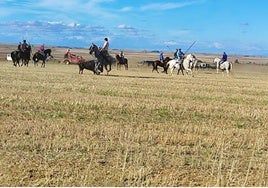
[(234, 26)]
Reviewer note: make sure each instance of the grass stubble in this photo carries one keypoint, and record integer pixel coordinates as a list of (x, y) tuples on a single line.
[(132, 128)]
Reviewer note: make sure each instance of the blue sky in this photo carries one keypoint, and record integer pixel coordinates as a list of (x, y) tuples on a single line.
[(234, 26)]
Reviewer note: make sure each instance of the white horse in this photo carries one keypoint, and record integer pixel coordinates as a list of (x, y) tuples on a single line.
[(225, 65), (188, 64)]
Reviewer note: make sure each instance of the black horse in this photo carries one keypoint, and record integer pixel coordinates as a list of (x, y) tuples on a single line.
[(16, 56), (24, 56), (163, 64), (120, 62), (38, 56), (103, 59)]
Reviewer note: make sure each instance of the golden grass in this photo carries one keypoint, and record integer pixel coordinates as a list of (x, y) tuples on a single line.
[(132, 128)]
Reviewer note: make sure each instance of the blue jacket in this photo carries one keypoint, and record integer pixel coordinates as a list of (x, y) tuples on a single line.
[(180, 54), (161, 57), (224, 57)]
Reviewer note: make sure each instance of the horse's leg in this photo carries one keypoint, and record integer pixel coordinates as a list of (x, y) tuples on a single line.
[(110, 67), (43, 64), (171, 71), (126, 65), (227, 71), (181, 69), (105, 66)]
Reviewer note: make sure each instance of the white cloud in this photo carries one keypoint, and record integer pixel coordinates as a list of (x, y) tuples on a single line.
[(217, 45), (122, 26), (126, 9), (79, 37), (73, 24), (171, 43), (166, 6), (128, 29)]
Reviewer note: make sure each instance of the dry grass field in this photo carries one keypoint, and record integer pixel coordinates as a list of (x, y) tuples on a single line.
[(134, 127)]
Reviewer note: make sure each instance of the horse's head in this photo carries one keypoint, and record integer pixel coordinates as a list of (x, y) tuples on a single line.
[(190, 57), (93, 48), (48, 53), (117, 57)]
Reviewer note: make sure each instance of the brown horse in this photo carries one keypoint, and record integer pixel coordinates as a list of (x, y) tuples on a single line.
[(161, 64), (119, 62)]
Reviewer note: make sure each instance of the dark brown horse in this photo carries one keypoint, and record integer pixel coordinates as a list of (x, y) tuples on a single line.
[(23, 55), (103, 59), (161, 64), (120, 62), (38, 56)]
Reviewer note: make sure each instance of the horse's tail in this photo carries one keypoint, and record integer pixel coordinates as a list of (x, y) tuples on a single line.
[(167, 64), (35, 58), (230, 66)]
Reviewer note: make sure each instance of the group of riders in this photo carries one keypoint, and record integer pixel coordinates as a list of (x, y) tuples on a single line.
[(104, 52), (22, 47), (179, 55)]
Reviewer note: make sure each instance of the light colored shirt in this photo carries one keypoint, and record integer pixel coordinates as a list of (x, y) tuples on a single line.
[(105, 45)]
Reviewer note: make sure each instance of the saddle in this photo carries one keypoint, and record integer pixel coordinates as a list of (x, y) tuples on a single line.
[(42, 53)]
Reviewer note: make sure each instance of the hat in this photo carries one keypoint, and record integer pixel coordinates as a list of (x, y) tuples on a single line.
[(24, 40)]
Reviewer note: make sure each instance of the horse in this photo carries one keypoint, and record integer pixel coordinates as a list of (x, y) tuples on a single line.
[(119, 62), (174, 63), (16, 56), (188, 64), (103, 59), (24, 55), (38, 56), (163, 64), (225, 65)]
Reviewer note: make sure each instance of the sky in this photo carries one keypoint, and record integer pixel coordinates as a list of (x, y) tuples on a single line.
[(207, 26)]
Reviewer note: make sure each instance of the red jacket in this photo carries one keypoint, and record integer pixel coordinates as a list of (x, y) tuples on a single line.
[(41, 48)]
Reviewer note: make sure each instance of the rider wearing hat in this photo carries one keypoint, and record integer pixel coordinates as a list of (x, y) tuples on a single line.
[(24, 45), (104, 52), (180, 56)]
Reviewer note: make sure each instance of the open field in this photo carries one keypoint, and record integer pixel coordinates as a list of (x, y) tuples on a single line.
[(133, 128)]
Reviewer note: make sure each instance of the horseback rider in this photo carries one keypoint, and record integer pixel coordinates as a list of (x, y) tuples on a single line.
[(41, 50), (176, 54), (122, 56), (68, 54), (24, 46), (161, 57), (19, 47), (180, 56), (103, 52), (224, 58)]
